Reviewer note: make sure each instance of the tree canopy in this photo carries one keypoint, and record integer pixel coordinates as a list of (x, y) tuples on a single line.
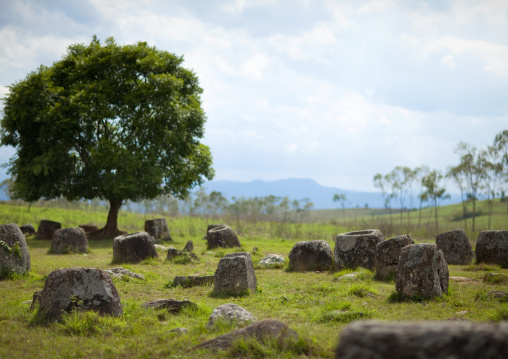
[(108, 121)]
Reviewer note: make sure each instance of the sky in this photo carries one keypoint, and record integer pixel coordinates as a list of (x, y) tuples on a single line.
[(335, 91)]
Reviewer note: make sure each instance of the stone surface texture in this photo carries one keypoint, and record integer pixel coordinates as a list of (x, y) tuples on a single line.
[(119, 272), (172, 252), (27, 229), (171, 305), (67, 240), (272, 260), (69, 289), (423, 340), (158, 229), (268, 329), (492, 248), (14, 255), (311, 256), (235, 274), (193, 281), (222, 236), (231, 313), (422, 271), (189, 247), (133, 248), (357, 249), (46, 229), (456, 247), (211, 226), (387, 256)]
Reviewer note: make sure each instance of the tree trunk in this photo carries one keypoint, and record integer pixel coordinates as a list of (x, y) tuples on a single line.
[(435, 213), (110, 230), (420, 215), (474, 210)]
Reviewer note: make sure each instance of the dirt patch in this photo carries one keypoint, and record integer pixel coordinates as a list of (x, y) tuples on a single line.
[(463, 280)]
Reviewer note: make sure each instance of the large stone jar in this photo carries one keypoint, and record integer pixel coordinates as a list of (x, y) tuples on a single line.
[(357, 249)]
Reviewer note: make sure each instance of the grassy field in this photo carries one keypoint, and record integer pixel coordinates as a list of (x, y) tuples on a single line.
[(317, 305)]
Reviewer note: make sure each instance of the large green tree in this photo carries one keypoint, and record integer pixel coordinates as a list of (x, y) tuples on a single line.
[(108, 121)]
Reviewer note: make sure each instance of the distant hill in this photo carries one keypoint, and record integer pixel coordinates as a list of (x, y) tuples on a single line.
[(321, 196)]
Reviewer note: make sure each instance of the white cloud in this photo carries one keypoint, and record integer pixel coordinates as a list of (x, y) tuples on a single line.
[(291, 148), (494, 56), (375, 6), (448, 61), (237, 6), (309, 45)]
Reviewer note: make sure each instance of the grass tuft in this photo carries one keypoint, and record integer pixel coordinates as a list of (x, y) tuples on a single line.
[(361, 290), (90, 323), (498, 315)]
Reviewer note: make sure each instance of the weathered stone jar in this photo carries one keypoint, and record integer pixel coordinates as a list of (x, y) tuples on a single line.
[(133, 248), (69, 240), (14, 255), (455, 246), (311, 256), (492, 247), (222, 236), (46, 229), (69, 289), (387, 256), (235, 275), (357, 249), (422, 271), (158, 229)]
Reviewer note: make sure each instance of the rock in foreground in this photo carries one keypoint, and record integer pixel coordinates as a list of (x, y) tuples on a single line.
[(71, 289), (171, 305), (231, 313), (14, 256), (262, 331), (423, 340)]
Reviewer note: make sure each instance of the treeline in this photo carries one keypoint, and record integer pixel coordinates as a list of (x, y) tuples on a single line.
[(215, 205), (212, 205), (480, 174)]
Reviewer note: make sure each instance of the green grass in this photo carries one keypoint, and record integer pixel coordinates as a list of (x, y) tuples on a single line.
[(317, 305)]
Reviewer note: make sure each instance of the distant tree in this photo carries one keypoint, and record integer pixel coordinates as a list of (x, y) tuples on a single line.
[(459, 178), (471, 166), (419, 174), (384, 183), (401, 181), (341, 198), (434, 191), (501, 148), (110, 122), (492, 165), (217, 204)]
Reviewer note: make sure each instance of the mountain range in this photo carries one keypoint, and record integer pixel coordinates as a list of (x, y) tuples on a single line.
[(321, 196)]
